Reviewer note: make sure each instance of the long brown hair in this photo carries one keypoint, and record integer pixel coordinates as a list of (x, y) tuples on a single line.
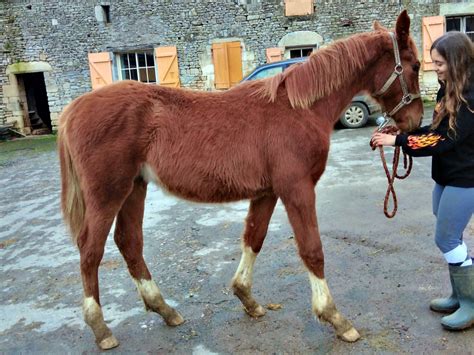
[(458, 51)]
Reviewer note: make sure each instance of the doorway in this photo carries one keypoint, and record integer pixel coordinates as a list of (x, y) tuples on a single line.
[(36, 107)]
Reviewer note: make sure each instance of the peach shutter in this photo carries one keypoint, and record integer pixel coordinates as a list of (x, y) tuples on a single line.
[(234, 56), (227, 59), (298, 7), (100, 66), (433, 28), (273, 54), (221, 70), (167, 63)]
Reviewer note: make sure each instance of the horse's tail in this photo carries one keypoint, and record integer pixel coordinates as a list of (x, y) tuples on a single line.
[(72, 199)]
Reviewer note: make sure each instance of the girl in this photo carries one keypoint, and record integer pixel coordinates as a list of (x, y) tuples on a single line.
[(450, 142)]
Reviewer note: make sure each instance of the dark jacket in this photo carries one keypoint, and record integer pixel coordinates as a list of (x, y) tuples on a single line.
[(453, 153)]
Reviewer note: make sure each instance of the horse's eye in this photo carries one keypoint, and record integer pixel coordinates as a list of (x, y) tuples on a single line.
[(416, 67)]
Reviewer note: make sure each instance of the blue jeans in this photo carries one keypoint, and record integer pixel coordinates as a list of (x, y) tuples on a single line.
[(453, 208)]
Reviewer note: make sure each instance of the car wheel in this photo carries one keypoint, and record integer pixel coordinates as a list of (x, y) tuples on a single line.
[(355, 116)]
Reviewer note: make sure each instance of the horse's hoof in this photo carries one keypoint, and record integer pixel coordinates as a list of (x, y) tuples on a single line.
[(108, 343), (175, 320), (257, 312), (351, 335)]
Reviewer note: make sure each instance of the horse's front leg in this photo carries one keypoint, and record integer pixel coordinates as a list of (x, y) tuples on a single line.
[(256, 225), (300, 206)]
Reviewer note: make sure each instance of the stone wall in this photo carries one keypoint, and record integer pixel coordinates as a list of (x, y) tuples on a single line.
[(4, 56), (61, 33)]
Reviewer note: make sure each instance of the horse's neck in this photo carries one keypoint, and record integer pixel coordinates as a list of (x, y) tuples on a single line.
[(361, 80), (376, 50)]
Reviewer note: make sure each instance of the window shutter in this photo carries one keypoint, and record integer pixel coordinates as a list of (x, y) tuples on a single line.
[(234, 55), (227, 58), (100, 66), (298, 7), (221, 69), (433, 28), (167, 63), (273, 54)]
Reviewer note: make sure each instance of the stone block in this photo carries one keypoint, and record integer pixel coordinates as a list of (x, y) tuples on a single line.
[(14, 106), (52, 88), (17, 119), (10, 91)]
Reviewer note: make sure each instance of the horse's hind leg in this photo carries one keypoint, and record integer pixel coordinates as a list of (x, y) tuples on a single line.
[(300, 206), (91, 244), (256, 226), (129, 239)]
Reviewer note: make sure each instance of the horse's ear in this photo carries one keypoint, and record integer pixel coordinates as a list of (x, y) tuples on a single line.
[(378, 27), (402, 27)]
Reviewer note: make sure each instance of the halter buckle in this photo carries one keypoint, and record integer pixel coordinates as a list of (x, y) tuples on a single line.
[(407, 99), (398, 69)]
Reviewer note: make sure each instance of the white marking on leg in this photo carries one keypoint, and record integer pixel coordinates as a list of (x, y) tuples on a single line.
[(95, 319), (91, 309), (243, 275), (147, 289), (154, 301), (323, 306), (321, 297)]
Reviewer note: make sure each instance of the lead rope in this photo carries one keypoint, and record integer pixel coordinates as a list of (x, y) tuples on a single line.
[(407, 165)]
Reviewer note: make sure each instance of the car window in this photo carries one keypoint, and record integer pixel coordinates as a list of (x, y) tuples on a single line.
[(267, 72)]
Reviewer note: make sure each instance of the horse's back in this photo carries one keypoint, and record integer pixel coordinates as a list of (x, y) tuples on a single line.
[(210, 147)]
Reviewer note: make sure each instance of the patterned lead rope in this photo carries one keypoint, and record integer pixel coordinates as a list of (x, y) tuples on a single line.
[(406, 100), (407, 165)]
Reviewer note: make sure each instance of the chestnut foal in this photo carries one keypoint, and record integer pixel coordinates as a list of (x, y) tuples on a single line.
[(260, 140)]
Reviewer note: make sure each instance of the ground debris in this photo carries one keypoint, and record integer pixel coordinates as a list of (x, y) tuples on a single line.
[(274, 306), (7, 243)]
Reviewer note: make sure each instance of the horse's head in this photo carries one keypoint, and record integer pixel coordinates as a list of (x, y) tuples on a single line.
[(396, 82)]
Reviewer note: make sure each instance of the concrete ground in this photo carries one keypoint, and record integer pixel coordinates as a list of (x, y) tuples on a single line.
[(382, 272)]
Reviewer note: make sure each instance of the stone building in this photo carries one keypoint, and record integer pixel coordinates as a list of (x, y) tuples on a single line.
[(52, 51)]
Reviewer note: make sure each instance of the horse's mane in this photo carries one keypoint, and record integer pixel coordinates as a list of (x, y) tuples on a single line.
[(325, 71)]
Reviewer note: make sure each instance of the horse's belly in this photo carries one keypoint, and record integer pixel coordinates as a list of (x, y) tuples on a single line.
[(210, 190)]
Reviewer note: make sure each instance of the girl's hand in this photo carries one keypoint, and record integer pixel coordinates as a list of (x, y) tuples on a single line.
[(383, 139)]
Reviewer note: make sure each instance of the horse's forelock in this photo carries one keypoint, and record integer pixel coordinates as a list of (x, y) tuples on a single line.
[(325, 71)]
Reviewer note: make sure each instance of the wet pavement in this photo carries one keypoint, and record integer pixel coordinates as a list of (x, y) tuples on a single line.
[(382, 273)]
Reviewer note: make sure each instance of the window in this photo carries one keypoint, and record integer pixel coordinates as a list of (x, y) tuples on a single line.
[(102, 14), (106, 10), (461, 23), (138, 66), (300, 52), (268, 72)]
